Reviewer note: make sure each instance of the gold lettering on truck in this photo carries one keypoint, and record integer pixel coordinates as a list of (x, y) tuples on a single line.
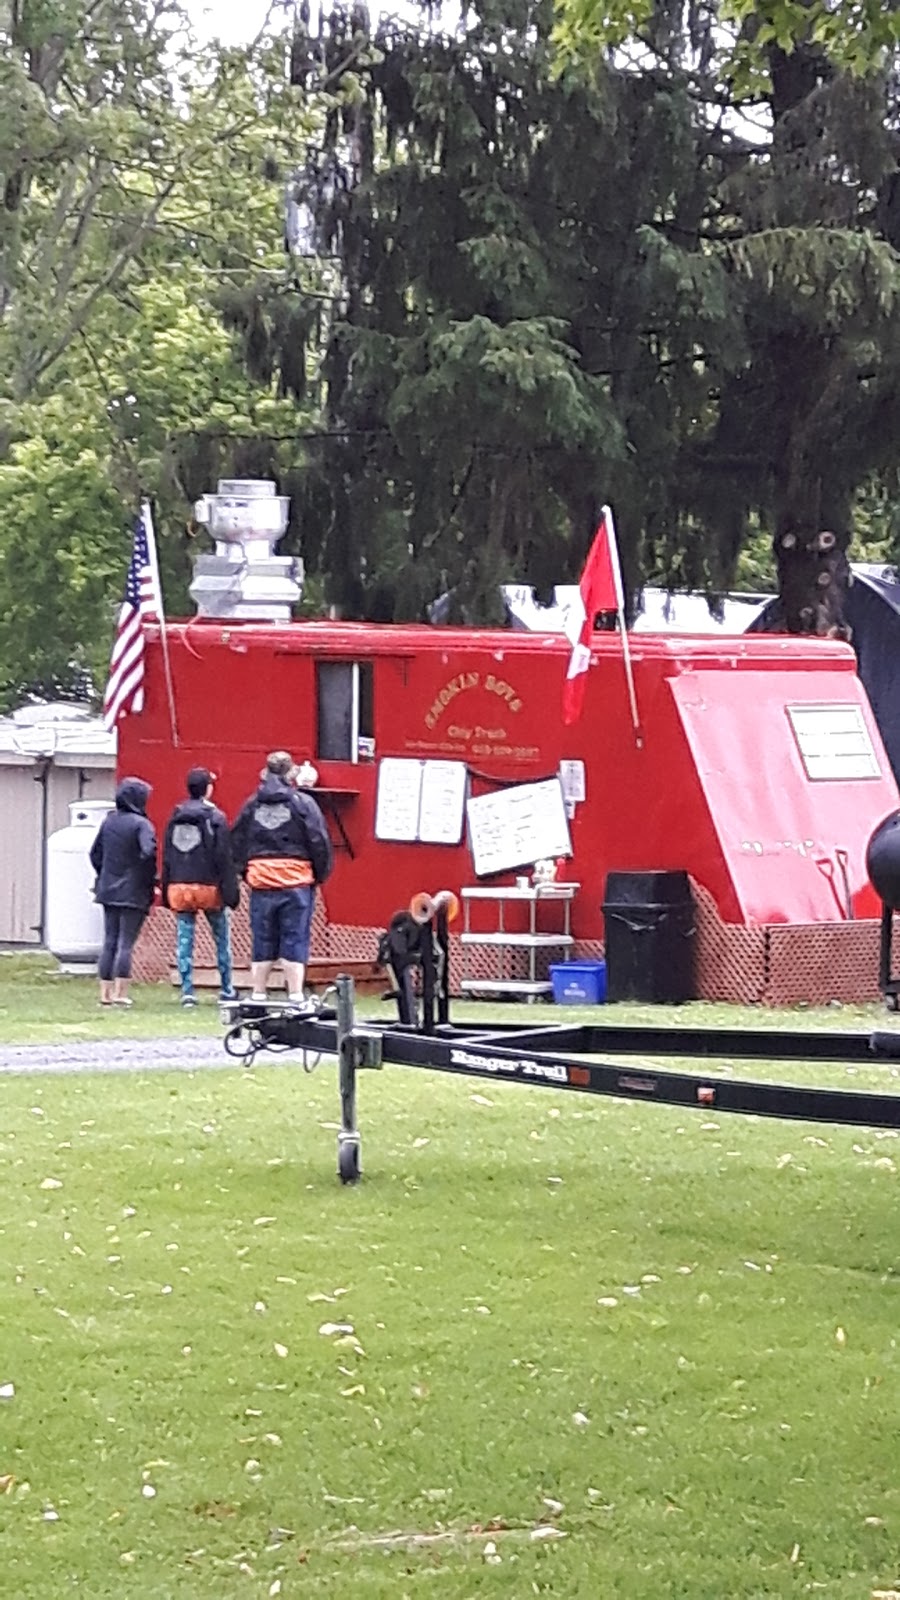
[(470, 680)]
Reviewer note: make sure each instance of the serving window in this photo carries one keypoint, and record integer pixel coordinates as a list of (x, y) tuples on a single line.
[(345, 714)]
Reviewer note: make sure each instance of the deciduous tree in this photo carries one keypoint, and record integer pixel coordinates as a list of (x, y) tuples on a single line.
[(144, 183)]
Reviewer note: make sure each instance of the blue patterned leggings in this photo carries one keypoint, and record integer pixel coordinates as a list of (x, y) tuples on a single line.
[(186, 922)]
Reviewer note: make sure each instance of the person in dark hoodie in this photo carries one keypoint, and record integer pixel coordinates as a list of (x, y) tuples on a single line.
[(123, 855), (282, 848), (198, 874)]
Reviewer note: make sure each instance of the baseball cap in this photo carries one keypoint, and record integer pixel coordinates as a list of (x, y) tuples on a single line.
[(198, 780)]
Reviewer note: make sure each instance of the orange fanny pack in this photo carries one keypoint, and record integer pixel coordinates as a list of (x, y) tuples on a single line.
[(278, 872), (194, 897)]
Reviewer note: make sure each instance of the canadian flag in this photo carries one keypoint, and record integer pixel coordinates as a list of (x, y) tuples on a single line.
[(599, 589)]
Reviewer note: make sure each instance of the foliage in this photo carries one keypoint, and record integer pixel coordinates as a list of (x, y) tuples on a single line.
[(126, 420), (144, 182), (60, 553), (808, 417), (87, 163), (513, 290), (488, 363), (708, 318), (739, 33)]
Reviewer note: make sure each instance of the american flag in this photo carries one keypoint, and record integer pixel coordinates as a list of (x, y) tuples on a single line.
[(125, 685)]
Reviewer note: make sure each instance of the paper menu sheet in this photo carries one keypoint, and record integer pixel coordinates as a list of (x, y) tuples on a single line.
[(420, 801), (442, 801)]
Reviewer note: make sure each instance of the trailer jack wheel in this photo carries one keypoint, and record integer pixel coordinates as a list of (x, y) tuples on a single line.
[(348, 1161)]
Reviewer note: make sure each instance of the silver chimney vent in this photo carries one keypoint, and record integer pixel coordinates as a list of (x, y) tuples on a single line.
[(245, 581)]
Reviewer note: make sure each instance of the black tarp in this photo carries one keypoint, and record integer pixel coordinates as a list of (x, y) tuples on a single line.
[(873, 612)]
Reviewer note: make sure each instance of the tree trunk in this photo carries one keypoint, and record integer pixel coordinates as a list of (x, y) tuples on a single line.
[(813, 579), (813, 570), (811, 559)]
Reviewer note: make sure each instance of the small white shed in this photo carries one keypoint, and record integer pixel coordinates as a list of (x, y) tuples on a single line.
[(50, 756)]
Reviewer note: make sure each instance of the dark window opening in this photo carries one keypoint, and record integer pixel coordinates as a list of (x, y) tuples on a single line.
[(346, 710)]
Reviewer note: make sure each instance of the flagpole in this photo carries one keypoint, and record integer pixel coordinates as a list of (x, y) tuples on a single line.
[(163, 636), (620, 610)]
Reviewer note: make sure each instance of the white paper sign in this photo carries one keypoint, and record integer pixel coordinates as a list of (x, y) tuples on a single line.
[(515, 827), (833, 742), (571, 776)]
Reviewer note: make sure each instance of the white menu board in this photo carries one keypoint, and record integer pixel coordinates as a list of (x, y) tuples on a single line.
[(420, 801), (515, 827)]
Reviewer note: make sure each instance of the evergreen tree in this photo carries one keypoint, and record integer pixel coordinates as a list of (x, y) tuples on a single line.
[(555, 290), (810, 414), (513, 339)]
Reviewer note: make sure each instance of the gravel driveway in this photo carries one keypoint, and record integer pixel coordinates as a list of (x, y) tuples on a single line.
[(115, 1055)]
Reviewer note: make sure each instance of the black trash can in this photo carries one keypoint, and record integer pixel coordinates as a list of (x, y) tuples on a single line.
[(650, 932)]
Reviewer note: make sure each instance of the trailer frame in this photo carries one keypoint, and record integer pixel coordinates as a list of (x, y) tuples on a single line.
[(568, 1056)]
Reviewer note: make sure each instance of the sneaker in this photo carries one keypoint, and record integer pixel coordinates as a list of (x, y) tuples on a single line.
[(300, 1002), (229, 994), (188, 999)]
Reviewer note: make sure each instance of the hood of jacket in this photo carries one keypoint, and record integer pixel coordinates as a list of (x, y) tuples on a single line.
[(132, 795), (195, 810), (274, 788)]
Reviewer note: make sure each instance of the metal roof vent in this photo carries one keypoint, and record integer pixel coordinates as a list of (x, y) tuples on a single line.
[(244, 580)]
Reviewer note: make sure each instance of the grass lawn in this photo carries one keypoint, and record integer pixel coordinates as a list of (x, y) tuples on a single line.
[(41, 1005), (669, 1337)]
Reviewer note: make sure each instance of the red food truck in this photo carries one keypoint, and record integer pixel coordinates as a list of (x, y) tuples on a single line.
[(757, 767)]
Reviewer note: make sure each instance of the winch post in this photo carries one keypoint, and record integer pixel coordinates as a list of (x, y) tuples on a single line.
[(887, 982), (348, 1138)]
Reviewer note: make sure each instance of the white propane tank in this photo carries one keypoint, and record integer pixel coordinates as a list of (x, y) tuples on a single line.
[(74, 922)]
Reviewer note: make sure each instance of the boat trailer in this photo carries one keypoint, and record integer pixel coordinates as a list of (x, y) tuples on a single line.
[(566, 1056)]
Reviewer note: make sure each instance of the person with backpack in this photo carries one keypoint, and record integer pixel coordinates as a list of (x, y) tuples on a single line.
[(198, 874), (123, 855), (282, 849)]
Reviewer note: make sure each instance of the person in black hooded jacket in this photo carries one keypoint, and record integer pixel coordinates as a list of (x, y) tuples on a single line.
[(282, 849), (123, 855), (198, 874)]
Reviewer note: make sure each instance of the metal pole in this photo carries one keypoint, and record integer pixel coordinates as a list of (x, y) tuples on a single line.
[(43, 778), (623, 631), (163, 636), (885, 953), (348, 1138)]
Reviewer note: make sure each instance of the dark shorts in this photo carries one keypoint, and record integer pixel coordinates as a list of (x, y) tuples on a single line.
[(280, 922)]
